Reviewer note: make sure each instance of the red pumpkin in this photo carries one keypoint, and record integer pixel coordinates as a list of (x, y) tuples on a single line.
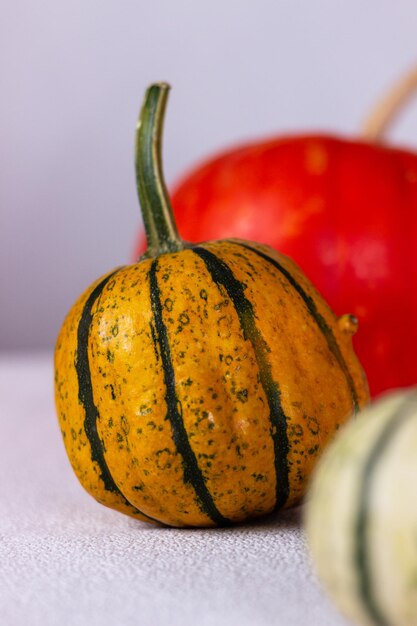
[(345, 210)]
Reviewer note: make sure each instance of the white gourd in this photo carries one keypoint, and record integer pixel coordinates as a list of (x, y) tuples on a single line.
[(361, 516)]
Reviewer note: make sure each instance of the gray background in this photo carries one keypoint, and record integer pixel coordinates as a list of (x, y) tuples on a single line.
[(72, 78)]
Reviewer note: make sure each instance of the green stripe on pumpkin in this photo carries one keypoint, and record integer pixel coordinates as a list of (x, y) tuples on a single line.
[(223, 275), (317, 317), (192, 472), (85, 394)]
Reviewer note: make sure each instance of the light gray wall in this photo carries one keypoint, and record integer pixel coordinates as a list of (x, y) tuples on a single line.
[(72, 75)]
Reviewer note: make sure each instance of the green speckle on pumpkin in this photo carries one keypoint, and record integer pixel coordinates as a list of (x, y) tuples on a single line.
[(313, 425), (184, 319), (242, 395)]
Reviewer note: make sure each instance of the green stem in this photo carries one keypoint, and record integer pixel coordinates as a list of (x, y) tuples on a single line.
[(160, 227)]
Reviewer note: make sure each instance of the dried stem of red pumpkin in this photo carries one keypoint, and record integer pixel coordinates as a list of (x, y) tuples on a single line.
[(389, 107), (160, 227)]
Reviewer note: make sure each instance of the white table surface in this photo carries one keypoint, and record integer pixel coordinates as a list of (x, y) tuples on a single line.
[(64, 559)]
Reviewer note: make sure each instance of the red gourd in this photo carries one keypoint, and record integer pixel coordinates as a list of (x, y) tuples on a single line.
[(345, 210)]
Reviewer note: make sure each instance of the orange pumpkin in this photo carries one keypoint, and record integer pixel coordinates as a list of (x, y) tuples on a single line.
[(199, 386)]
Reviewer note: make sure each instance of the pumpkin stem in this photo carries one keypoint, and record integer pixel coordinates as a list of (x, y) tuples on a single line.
[(160, 227), (389, 108)]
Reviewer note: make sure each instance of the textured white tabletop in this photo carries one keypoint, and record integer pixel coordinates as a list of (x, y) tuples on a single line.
[(66, 560)]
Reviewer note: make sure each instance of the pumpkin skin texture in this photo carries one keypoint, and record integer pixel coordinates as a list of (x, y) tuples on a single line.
[(344, 210), (214, 384), (361, 519), (198, 386)]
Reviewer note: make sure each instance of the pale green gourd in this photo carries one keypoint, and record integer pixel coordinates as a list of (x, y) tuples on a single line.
[(361, 517)]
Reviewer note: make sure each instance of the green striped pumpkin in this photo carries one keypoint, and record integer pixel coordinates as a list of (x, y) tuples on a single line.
[(361, 517), (199, 386)]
